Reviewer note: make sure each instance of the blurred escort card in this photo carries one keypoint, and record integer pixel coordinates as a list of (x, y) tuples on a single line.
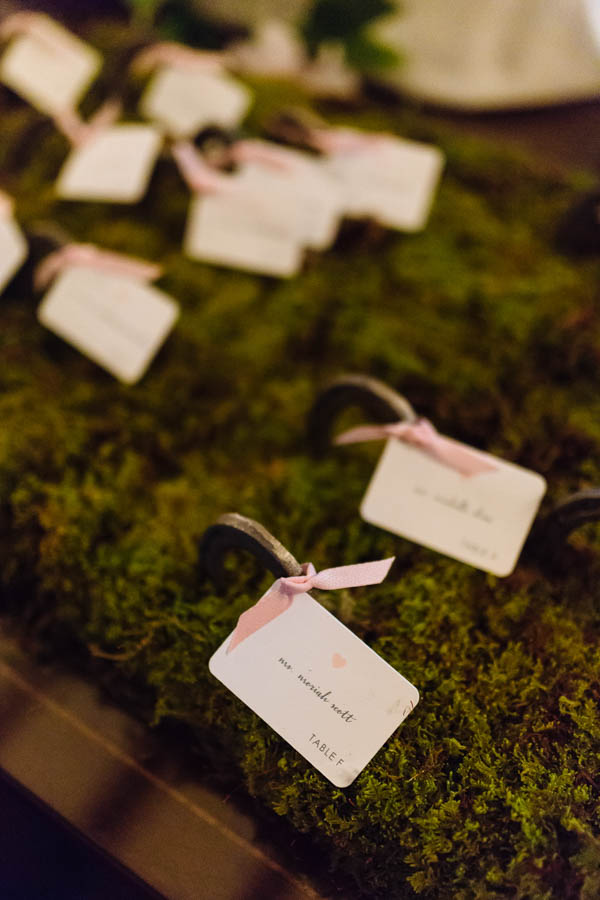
[(13, 249), (115, 165), (48, 66), (388, 179), (244, 228), (318, 686), (117, 321), (480, 519), (318, 203), (184, 101)]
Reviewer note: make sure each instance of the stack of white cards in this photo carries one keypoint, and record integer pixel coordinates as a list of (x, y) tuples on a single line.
[(265, 217)]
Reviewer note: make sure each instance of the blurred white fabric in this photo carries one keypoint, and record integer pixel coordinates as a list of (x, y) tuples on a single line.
[(493, 54)]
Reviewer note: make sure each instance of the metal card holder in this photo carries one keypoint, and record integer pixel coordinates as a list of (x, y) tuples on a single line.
[(233, 531)]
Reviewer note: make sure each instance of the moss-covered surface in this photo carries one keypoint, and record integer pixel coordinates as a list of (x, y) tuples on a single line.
[(491, 788)]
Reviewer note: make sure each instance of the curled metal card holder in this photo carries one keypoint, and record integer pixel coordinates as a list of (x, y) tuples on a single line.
[(378, 401), (382, 403), (235, 532), (551, 530)]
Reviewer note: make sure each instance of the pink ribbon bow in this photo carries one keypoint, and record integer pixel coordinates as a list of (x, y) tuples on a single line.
[(280, 595), (94, 257), (422, 434), (169, 53)]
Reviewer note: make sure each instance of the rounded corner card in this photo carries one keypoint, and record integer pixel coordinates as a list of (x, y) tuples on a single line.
[(482, 520), (328, 694)]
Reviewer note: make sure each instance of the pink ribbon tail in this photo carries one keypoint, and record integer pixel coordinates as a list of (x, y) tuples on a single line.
[(280, 595), (78, 132), (7, 206), (95, 258), (344, 140), (197, 174), (39, 26), (258, 151), (423, 435), (179, 56)]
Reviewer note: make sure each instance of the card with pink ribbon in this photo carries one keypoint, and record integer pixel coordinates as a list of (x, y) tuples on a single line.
[(433, 489), (103, 303), (45, 63), (320, 687)]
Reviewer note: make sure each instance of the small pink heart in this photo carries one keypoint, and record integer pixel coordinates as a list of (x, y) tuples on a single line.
[(337, 661)]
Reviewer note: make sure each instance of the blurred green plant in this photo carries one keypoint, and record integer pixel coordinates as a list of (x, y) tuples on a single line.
[(328, 21), (346, 22)]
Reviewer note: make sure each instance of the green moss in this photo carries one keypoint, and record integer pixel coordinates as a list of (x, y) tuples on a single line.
[(490, 789)]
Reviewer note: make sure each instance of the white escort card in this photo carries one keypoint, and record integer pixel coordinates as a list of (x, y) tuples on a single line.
[(114, 165), (183, 101), (48, 66), (480, 519), (245, 228), (317, 201), (389, 179), (13, 248), (331, 697), (117, 321)]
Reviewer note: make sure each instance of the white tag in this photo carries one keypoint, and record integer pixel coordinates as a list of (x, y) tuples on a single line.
[(480, 519), (391, 180), (51, 68), (113, 166), (244, 229), (13, 249), (318, 686), (183, 101), (118, 322), (314, 194)]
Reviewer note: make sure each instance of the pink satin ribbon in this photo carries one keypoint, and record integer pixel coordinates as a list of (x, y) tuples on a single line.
[(93, 257), (198, 174), (169, 53), (424, 436), (78, 132), (254, 150), (344, 140), (39, 26), (7, 206), (280, 595)]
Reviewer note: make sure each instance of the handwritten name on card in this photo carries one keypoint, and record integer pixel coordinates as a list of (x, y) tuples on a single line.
[(319, 686), (482, 519)]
